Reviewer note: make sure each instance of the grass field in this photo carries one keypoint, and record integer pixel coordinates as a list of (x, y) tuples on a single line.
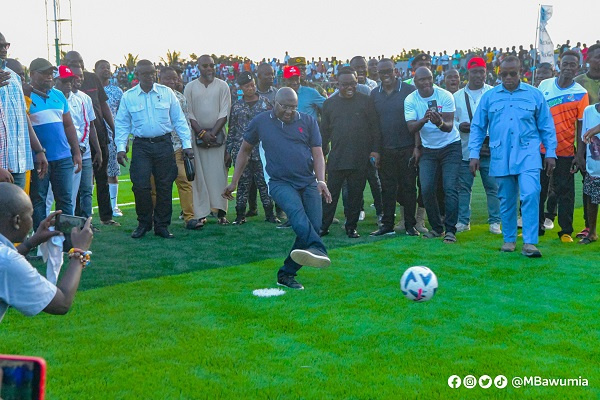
[(159, 319)]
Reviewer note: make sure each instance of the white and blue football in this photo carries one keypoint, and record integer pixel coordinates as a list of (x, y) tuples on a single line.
[(418, 283)]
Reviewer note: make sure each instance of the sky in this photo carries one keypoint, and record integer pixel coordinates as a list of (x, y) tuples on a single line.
[(109, 29)]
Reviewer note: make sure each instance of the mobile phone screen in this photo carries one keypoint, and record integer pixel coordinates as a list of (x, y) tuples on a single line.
[(22, 378), (65, 223)]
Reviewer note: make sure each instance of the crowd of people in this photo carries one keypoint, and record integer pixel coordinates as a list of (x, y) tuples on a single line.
[(300, 135)]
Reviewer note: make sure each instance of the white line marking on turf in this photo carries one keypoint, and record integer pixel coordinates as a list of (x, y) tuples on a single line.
[(130, 204), (268, 292)]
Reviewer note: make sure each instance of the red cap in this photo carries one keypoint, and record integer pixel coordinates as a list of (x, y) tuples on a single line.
[(476, 62), (290, 71), (65, 72)]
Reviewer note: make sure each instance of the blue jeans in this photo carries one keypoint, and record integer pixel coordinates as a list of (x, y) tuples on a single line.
[(20, 179), (466, 179), (60, 174), (304, 211), (448, 159), (86, 188)]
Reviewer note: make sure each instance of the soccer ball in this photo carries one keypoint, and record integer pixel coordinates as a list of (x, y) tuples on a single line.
[(418, 283)]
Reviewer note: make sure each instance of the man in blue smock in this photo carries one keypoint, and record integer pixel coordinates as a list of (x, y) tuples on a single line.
[(519, 120)]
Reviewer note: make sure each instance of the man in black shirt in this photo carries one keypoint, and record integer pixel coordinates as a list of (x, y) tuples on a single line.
[(350, 123), (92, 86), (397, 169)]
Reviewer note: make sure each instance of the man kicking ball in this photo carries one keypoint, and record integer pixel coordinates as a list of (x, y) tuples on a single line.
[(292, 157)]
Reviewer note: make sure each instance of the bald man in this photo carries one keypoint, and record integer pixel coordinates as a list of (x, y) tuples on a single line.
[(21, 286), (294, 168)]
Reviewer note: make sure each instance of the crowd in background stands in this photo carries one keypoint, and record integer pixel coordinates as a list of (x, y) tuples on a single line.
[(325, 71)]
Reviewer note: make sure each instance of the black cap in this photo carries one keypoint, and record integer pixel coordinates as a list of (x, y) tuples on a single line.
[(422, 57), (244, 77)]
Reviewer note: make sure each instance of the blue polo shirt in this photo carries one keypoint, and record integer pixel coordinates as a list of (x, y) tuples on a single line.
[(285, 149), (309, 101), (47, 119)]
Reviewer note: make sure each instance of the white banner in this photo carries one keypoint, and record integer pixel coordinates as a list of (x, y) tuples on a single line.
[(545, 45)]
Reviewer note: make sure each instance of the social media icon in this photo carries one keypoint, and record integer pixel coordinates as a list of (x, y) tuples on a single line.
[(454, 381), (470, 381), (485, 381), (500, 381)]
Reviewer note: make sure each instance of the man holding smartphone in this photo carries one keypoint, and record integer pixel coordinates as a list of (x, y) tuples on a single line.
[(21, 286), (429, 114)]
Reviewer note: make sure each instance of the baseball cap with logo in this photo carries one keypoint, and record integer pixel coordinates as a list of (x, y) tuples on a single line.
[(64, 72), (476, 62), (41, 64), (290, 71)]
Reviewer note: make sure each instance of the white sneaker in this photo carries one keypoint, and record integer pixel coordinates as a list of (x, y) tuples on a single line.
[(548, 224), (310, 258), (361, 216), (495, 228), (117, 212), (460, 227), (519, 222)]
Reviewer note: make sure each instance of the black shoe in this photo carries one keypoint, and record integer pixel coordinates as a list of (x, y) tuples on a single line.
[(252, 213), (323, 232), (139, 232), (383, 231), (239, 220), (164, 232), (412, 232), (352, 233), (273, 219), (286, 224), (288, 281)]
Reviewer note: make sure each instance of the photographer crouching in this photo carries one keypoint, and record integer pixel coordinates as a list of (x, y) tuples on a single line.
[(21, 286)]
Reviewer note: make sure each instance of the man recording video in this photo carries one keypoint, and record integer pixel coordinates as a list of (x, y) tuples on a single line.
[(21, 286)]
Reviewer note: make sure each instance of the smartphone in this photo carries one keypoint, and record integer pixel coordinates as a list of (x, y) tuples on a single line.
[(372, 160), (411, 162), (65, 223), (432, 105), (22, 377)]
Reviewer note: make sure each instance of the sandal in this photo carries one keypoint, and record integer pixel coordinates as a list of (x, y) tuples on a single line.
[(586, 240), (449, 237), (194, 224), (583, 233), (222, 221), (431, 235)]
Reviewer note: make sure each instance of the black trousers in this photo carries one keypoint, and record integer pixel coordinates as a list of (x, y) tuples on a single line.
[(564, 191), (100, 174), (153, 159), (398, 183), (356, 180)]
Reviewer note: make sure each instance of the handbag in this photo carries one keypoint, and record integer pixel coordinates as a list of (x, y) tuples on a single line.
[(219, 139), (485, 146), (190, 172)]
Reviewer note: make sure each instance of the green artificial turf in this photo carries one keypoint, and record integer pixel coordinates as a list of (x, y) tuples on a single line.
[(136, 333)]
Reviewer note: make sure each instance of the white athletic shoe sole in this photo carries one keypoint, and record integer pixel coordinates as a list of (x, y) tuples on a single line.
[(309, 259)]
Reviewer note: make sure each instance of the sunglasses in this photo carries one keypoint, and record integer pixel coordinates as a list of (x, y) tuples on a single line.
[(4, 45), (347, 85), (208, 66), (388, 71), (512, 74), (286, 107)]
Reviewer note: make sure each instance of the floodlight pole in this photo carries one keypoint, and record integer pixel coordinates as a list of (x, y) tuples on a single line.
[(537, 30), (56, 44)]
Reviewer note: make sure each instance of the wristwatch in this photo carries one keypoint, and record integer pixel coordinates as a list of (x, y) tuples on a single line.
[(43, 150)]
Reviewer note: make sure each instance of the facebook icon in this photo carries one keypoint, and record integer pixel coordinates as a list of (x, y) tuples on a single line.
[(454, 381)]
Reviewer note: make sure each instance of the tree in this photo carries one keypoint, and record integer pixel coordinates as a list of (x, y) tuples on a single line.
[(131, 61), (173, 57), (193, 57)]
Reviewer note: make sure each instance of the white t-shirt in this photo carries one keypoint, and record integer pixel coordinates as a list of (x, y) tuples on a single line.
[(21, 286), (82, 114), (415, 108), (591, 118)]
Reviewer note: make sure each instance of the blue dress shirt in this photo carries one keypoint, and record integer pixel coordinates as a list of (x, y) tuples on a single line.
[(151, 114), (309, 100), (518, 122)]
